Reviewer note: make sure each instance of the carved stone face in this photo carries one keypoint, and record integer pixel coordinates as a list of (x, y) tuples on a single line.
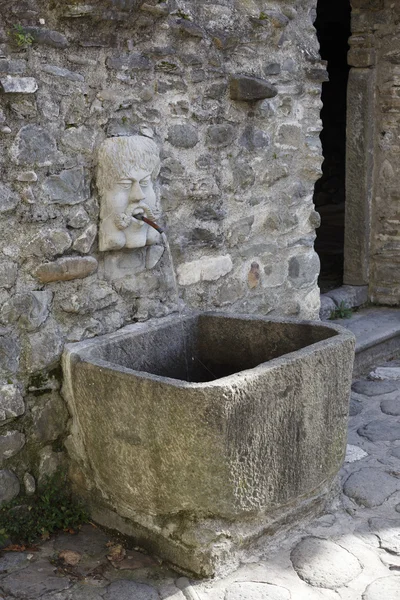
[(126, 169)]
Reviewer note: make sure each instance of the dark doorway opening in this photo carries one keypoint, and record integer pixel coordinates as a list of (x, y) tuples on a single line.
[(333, 31)]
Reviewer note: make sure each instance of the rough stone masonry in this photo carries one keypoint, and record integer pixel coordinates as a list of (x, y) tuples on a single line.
[(230, 92)]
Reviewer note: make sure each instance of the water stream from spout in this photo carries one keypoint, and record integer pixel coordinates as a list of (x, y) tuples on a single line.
[(177, 299), (176, 290)]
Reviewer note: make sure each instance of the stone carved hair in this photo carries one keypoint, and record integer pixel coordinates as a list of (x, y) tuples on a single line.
[(117, 157)]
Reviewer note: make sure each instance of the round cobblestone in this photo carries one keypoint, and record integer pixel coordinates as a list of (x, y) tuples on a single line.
[(370, 487), (391, 407), (373, 388), (381, 431), (256, 591), (323, 563), (388, 531), (385, 588)]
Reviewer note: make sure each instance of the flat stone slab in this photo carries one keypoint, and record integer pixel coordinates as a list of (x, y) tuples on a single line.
[(130, 590), (386, 373), (373, 388), (90, 541), (34, 581), (388, 531), (13, 561), (256, 591), (370, 487), (82, 592), (323, 563), (385, 588), (391, 406), (354, 453), (381, 430)]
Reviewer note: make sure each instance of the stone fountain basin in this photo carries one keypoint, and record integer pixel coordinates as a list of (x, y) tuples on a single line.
[(196, 444)]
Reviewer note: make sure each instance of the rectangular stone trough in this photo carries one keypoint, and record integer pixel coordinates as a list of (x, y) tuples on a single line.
[(196, 437)]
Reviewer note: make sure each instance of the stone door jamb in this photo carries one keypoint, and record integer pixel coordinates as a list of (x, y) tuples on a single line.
[(361, 99)]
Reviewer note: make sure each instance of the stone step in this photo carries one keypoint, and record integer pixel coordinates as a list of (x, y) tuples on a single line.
[(377, 332)]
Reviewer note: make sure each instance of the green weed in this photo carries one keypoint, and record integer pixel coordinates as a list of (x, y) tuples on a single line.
[(341, 312), (52, 508), (20, 37)]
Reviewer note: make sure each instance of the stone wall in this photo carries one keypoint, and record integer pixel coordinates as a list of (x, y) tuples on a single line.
[(230, 92)]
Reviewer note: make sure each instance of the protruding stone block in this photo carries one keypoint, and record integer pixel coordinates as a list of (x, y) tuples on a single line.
[(61, 72), (8, 199), (9, 486), (47, 37), (183, 136), (69, 187), (11, 402), (204, 269), (19, 85), (34, 145), (65, 269), (249, 89), (84, 242), (10, 444)]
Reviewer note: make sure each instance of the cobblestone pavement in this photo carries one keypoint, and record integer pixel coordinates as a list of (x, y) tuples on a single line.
[(352, 552)]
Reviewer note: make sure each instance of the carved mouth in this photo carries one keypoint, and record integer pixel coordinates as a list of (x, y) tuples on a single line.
[(138, 211)]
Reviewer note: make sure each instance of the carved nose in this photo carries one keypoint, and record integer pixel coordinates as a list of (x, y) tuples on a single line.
[(136, 192)]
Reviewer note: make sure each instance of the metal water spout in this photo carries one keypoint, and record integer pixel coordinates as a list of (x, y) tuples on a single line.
[(141, 217)]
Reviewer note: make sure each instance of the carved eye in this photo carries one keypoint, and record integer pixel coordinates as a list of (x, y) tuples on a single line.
[(145, 182), (125, 185)]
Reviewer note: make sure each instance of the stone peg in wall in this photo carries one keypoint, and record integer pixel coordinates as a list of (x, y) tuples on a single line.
[(127, 167)]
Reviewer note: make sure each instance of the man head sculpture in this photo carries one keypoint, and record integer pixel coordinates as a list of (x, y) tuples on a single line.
[(126, 169)]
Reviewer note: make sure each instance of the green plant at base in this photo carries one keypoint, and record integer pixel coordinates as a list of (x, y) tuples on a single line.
[(341, 312), (52, 508), (20, 37)]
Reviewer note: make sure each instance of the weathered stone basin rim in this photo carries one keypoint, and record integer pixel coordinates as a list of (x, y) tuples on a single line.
[(196, 470), (92, 350)]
